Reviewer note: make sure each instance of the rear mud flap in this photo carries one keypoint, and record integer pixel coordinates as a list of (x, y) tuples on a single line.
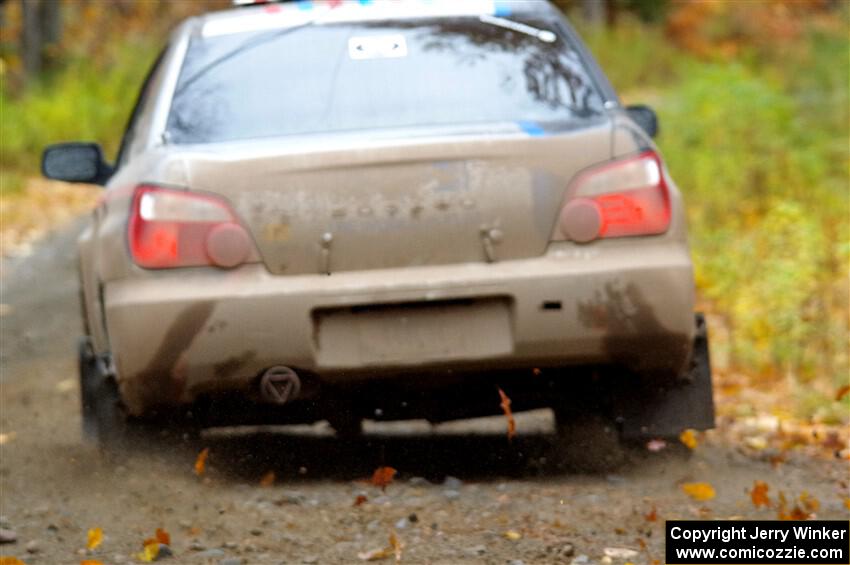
[(664, 411)]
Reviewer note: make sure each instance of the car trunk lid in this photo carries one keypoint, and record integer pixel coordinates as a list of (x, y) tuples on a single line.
[(335, 205)]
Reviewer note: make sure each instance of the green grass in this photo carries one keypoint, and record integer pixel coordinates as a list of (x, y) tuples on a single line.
[(83, 101)]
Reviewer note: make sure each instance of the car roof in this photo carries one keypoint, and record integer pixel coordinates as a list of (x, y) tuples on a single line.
[(269, 16)]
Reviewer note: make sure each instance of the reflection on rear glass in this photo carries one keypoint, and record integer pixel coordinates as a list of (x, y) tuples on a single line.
[(361, 76)]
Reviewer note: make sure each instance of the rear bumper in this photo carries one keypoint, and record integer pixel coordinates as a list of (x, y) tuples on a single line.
[(174, 335)]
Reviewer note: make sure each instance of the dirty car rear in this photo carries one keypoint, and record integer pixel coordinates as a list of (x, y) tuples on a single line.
[(357, 209)]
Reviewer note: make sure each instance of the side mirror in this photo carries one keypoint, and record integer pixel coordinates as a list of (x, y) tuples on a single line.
[(75, 162), (645, 117)]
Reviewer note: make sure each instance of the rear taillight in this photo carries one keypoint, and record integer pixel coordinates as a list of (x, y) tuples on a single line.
[(175, 228), (623, 198)]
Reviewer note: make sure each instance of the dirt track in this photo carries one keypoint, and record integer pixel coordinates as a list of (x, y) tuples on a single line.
[(496, 506)]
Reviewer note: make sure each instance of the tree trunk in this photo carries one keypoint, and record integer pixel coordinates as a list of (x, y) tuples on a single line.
[(50, 13), (611, 13), (50, 16), (31, 37), (593, 11)]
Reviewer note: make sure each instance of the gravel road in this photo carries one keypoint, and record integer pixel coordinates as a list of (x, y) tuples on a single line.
[(463, 493)]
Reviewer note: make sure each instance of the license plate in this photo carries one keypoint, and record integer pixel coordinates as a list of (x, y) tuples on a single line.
[(412, 334)]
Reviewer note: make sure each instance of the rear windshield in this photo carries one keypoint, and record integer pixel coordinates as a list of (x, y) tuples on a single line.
[(377, 75)]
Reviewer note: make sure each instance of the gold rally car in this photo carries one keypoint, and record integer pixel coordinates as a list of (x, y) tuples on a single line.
[(385, 210)]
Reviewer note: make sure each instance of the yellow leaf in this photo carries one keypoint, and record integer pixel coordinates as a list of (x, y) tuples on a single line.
[(689, 438), (393, 550), (396, 546), (512, 535), (150, 552), (699, 491), (90, 562), (95, 538), (11, 561), (375, 554)]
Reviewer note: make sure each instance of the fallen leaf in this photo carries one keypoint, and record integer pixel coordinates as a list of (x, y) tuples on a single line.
[(194, 531), (651, 516), (163, 537), (268, 479), (396, 546), (201, 462), (87, 562), (619, 552), (689, 438), (758, 443), (383, 476), (392, 550), (699, 491), (150, 551), (809, 502), (842, 392), (375, 554), (11, 561), (361, 499), (847, 503), (656, 445), (7, 437), (833, 441), (796, 513), (759, 494), (94, 538), (66, 385), (512, 535), (506, 408)]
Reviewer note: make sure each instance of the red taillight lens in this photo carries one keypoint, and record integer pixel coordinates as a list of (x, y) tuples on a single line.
[(623, 198), (174, 228)]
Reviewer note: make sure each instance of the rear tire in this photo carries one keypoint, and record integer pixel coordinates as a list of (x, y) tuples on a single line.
[(586, 442), (346, 425)]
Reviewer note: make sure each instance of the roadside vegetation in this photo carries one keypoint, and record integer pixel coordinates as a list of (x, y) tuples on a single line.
[(753, 105)]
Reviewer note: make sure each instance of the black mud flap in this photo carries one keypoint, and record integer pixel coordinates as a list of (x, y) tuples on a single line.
[(647, 412)]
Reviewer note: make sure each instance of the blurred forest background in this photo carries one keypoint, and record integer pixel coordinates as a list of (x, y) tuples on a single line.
[(754, 110)]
